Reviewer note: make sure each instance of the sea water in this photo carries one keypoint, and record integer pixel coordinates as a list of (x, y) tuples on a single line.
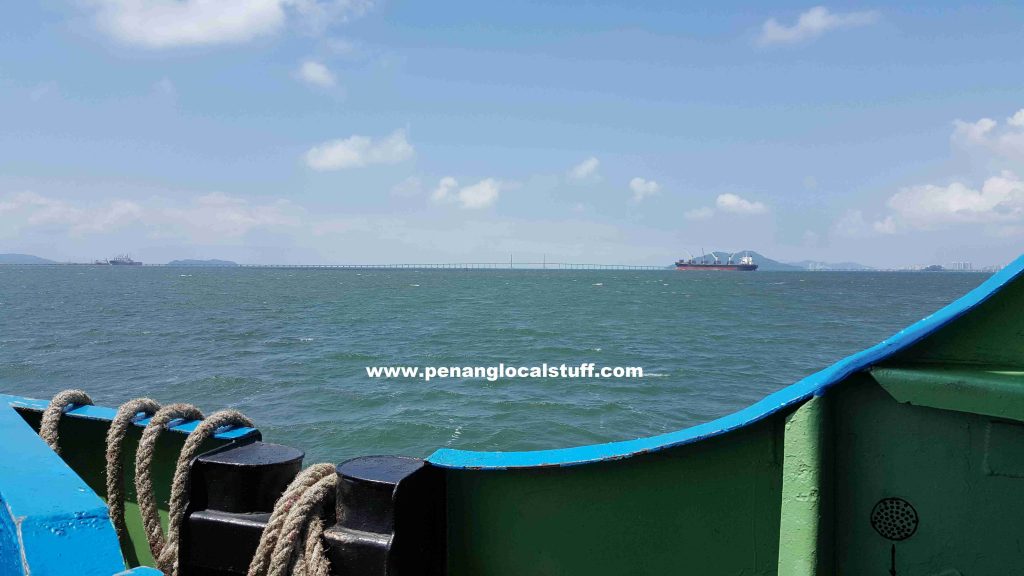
[(290, 347)]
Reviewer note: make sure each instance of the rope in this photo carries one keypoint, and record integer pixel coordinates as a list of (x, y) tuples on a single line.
[(291, 543), (144, 473), (167, 559), (49, 427), (119, 426)]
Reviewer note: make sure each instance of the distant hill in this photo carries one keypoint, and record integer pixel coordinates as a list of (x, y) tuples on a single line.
[(813, 265), (219, 263), (23, 259)]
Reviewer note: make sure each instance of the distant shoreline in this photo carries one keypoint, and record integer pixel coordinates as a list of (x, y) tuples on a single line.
[(552, 266)]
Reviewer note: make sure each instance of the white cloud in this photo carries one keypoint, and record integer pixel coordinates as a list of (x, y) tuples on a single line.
[(738, 205), (317, 15), (643, 188), (480, 195), (972, 132), (1017, 119), (702, 213), (358, 151), (886, 226), (996, 207), (210, 217), (28, 209), (444, 189), (812, 24), (986, 135), (171, 23), (217, 216), (166, 23), (316, 74), (853, 224), (999, 200), (584, 169)]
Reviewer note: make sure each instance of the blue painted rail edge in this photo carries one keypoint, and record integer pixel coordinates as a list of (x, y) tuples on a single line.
[(810, 386), (51, 522), (107, 414)]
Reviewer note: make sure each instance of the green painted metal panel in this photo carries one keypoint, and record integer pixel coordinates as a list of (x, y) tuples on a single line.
[(802, 546), (971, 521), (989, 392), (989, 336), (707, 508)]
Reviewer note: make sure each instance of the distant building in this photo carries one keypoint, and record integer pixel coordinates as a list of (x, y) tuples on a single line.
[(961, 266)]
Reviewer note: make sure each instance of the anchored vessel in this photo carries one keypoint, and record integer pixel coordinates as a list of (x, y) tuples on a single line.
[(904, 458), (713, 262), (124, 260)]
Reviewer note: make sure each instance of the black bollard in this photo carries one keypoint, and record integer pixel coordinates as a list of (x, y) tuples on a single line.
[(231, 494), (390, 512)]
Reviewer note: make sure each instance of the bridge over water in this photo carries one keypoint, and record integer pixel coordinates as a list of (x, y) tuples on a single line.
[(467, 266)]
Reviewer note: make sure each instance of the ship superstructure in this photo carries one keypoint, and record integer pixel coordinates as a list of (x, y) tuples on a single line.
[(714, 262), (122, 260)]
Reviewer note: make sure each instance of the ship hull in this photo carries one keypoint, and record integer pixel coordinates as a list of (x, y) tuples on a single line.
[(719, 267)]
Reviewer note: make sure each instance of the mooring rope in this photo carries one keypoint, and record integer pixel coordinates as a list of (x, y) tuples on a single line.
[(119, 426), (291, 543), (144, 472), (49, 427), (168, 557)]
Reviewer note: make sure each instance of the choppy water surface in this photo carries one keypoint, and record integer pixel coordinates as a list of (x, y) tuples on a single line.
[(290, 347)]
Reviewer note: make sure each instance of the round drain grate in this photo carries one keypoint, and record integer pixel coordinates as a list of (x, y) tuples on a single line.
[(894, 518)]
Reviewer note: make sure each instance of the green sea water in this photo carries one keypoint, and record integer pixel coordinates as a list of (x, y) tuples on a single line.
[(290, 347)]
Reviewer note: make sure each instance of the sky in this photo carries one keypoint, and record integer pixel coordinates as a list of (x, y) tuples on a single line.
[(605, 131)]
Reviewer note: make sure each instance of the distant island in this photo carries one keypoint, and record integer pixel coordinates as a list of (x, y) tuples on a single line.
[(23, 259), (212, 262)]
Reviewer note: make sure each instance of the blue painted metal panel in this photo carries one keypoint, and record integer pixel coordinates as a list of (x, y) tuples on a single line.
[(104, 413), (50, 519), (793, 394), (56, 523), (141, 571)]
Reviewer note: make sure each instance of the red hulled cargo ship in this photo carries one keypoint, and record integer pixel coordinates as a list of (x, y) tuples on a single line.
[(745, 264)]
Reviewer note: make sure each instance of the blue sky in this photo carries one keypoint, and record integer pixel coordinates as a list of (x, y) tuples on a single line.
[(308, 131)]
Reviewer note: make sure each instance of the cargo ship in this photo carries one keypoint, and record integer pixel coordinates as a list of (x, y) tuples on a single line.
[(123, 260), (745, 263)]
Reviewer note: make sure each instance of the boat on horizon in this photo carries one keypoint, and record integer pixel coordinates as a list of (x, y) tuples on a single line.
[(904, 458), (745, 263), (122, 260)]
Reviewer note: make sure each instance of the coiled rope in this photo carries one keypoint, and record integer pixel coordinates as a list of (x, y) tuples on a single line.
[(125, 417), (144, 474), (291, 543), (49, 426)]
